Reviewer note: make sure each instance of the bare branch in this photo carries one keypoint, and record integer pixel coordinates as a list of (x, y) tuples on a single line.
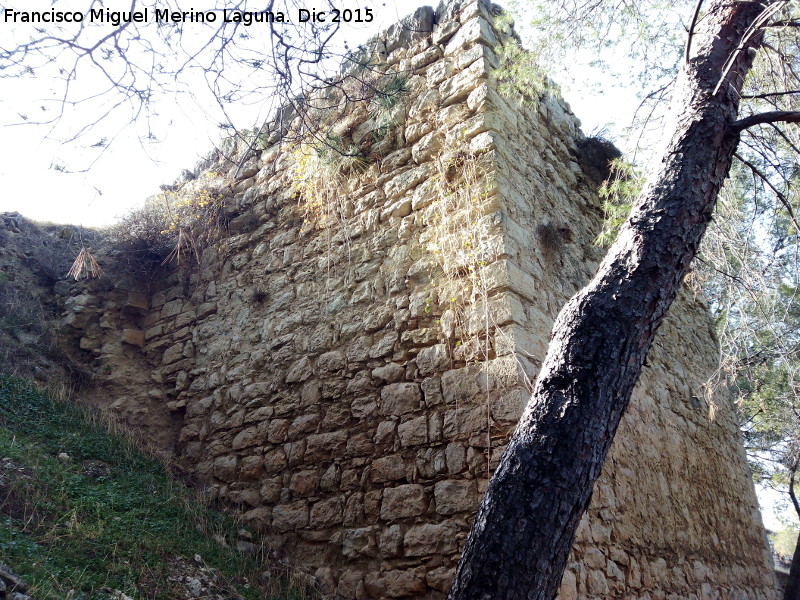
[(785, 116), (769, 94), (691, 30), (780, 195)]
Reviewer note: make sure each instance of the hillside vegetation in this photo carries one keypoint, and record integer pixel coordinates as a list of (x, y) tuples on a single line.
[(85, 515)]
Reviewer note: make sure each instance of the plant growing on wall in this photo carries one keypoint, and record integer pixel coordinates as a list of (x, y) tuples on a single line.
[(463, 245), (326, 155), (173, 226)]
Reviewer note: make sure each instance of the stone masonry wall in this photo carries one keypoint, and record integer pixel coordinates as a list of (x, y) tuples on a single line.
[(349, 383)]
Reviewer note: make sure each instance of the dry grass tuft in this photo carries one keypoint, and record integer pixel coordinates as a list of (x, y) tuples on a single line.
[(85, 266)]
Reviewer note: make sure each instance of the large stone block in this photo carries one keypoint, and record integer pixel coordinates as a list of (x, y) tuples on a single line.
[(413, 432), (287, 517), (431, 539), (455, 496), (394, 584), (325, 446), (327, 513), (400, 398), (432, 359), (404, 501), (388, 468)]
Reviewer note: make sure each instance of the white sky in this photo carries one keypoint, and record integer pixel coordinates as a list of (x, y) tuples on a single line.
[(129, 170)]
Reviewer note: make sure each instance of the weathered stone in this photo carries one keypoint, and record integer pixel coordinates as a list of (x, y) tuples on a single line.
[(324, 446), (304, 483), (388, 468), (461, 423), (596, 583), (460, 385), (275, 461), (390, 542), (431, 539), (331, 361), (359, 542), (247, 437), (351, 585), (456, 458), (403, 501), (594, 558), (569, 587), (361, 408), (225, 468), (327, 513), (287, 517), (303, 424), (455, 496), (406, 180), (386, 436), (248, 496), (258, 518), (442, 578), (389, 373), (413, 432), (432, 359), (430, 463), (172, 354), (432, 390), (383, 345), (134, 337), (360, 444), (400, 398), (251, 467), (394, 584), (299, 371), (277, 430)]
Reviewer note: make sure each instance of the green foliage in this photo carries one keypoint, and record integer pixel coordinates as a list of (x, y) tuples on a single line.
[(393, 91), (336, 156), (784, 542), (72, 534), (618, 193), (748, 269), (520, 75)]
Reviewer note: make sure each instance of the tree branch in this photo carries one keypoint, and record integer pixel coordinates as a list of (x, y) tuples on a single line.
[(792, 473), (781, 197), (787, 116), (691, 30), (769, 94)]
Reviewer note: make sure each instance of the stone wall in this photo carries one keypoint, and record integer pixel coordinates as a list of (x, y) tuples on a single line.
[(345, 364)]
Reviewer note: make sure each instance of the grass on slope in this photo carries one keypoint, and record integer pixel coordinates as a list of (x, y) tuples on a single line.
[(90, 530)]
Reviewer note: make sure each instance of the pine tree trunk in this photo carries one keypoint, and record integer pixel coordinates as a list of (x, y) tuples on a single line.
[(792, 590), (525, 526)]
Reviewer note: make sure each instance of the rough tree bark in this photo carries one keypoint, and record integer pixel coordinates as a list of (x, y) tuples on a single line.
[(792, 589), (525, 526)]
